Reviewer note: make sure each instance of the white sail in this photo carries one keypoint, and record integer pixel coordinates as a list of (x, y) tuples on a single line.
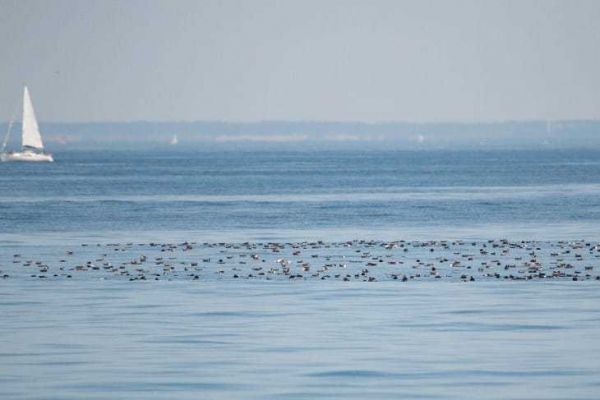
[(31, 132)]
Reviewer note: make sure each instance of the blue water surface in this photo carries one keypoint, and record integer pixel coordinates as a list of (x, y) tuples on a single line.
[(96, 338), (282, 195)]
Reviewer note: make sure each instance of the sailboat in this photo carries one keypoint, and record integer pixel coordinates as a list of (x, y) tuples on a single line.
[(32, 146), (174, 140)]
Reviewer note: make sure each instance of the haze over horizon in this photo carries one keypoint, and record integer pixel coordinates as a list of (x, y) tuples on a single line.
[(469, 61)]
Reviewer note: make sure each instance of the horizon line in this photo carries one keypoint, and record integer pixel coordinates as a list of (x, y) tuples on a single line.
[(316, 121)]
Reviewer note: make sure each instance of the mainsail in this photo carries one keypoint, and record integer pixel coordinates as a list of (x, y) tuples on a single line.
[(31, 132)]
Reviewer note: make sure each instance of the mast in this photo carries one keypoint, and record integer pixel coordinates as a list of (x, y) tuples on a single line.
[(10, 125)]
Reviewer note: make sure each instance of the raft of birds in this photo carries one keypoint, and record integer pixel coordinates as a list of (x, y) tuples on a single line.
[(358, 260)]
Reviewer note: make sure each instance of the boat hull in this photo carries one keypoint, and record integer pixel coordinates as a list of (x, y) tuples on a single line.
[(26, 156)]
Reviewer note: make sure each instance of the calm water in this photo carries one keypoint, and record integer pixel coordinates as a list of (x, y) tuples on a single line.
[(99, 338), (344, 195), (123, 340)]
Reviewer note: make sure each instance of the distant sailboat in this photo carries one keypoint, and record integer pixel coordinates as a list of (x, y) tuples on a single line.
[(32, 146), (174, 140)]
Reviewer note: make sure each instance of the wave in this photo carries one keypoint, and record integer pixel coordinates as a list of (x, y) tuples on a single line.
[(470, 193)]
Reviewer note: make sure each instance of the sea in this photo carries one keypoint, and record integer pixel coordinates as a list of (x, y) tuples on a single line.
[(84, 316)]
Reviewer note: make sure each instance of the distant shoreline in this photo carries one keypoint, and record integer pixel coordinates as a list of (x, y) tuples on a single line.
[(330, 135)]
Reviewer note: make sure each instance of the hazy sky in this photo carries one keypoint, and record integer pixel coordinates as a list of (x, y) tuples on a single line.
[(301, 60)]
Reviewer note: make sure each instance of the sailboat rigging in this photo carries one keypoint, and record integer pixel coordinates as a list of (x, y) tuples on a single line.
[(32, 148)]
